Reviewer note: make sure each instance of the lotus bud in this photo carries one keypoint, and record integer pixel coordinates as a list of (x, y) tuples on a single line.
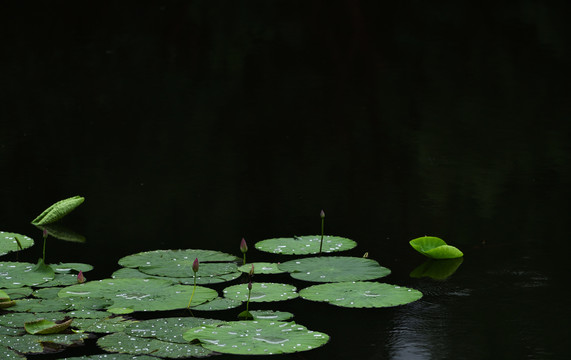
[(195, 265), (243, 246), (250, 286), (322, 214), (45, 233), (252, 271), (80, 278)]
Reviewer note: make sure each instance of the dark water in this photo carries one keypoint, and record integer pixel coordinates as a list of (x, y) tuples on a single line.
[(193, 124)]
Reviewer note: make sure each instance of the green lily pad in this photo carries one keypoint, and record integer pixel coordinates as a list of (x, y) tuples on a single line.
[(271, 315), (40, 305), (10, 242), (361, 294), (218, 304), (18, 274), (43, 326), (105, 325), (10, 354), (435, 248), (261, 292), (140, 294), (437, 269), (66, 268), (184, 269), (261, 268), (18, 293), (183, 257), (200, 280), (334, 269), (257, 337), (112, 357), (37, 344), (124, 343), (58, 210), (167, 329), (305, 245)]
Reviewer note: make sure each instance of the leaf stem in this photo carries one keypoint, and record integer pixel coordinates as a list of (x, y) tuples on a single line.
[(193, 290)]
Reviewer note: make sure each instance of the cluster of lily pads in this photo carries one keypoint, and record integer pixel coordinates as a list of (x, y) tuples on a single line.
[(48, 307)]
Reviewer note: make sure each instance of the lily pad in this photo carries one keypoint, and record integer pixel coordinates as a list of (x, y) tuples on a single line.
[(111, 357), (58, 210), (437, 269), (257, 337), (334, 269), (183, 257), (218, 304), (36, 344), (18, 274), (261, 292), (435, 248), (10, 354), (131, 295), (305, 245), (261, 268), (361, 294), (201, 280), (43, 326), (271, 315), (124, 343), (167, 329), (179, 269), (10, 242), (105, 325)]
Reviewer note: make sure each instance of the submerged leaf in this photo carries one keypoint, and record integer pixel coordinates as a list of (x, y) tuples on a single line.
[(263, 337), (305, 245), (58, 210), (435, 248)]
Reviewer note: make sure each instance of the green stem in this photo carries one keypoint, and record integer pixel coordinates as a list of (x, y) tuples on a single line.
[(244, 262), (248, 303), (193, 289), (321, 243), (44, 250)]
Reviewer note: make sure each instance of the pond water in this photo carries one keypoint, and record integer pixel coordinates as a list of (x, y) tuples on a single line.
[(192, 125)]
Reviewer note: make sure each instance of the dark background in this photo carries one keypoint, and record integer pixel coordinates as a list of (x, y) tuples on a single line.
[(192, 124)]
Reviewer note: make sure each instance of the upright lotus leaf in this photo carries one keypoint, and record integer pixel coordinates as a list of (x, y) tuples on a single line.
[(61, 232), (37, 344), (361, 294), (261, 268), (167, 329), (435, 248), (182, 257), (129, 344), (43, 326), (258, 337), (131, 295), (305, 245), (9, 354), (18, 274), (10, 242), (334, 269), (437, 269), (261, 292), (58, 210)]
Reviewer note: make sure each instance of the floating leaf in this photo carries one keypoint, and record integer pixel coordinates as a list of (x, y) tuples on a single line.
[(218, 304), (271, 315), (257, 337), (201, 280), (261, 292), (10, 242), (261, 268), (361, 294), (304, 245), (435, 248), (124, 343), (35, 344), (140, 294), (105, 325), (66, 268), (334, 269), (167, 329), (58, 210), (112, 357), (183, 257), (40, 305), (9, 354), (17, 320), (18, 293), (18, 274), (180, 269), (43, 326), (437, 269)]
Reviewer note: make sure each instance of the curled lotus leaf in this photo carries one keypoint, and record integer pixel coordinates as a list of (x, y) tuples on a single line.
[(10, 242), (43, 326), (435, 248), (305, 245), (361, 294), (261, 292), (140, 294), (58, 210), (334, 269), (258, 337)]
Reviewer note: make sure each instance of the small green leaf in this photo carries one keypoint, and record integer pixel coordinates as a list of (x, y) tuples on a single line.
[(435, 248), (58, 210), (43, 326)]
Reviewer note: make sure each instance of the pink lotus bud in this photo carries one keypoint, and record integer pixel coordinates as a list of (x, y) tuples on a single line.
[(252, 271), (195, 265), (250, 285), (80, 278), (243, 246), (45, 233), (322, 214)]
